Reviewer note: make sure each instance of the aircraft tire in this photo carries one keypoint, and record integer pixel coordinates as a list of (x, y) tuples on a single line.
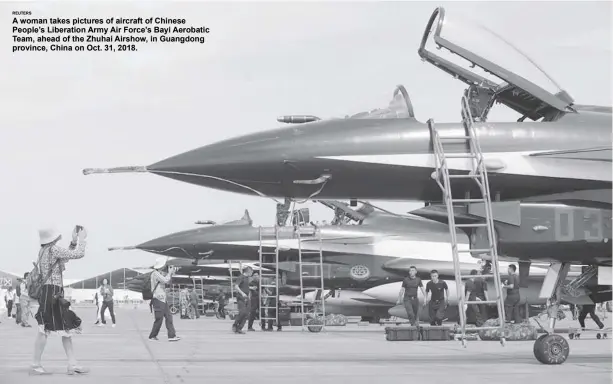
[(551, 349)]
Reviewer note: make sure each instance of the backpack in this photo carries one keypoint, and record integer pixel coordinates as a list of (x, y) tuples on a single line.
[(147, 293), (35, 280)]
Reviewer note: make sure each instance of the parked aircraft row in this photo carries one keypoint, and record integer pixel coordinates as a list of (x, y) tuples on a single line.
[(549, 174)]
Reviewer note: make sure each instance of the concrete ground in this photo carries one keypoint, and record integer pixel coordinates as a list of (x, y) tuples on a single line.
[(209, 352)]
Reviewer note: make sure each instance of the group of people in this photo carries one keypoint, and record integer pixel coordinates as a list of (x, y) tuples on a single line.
[(436, 295), (251, 305), (54, 315), (188, 299), (18, 299)]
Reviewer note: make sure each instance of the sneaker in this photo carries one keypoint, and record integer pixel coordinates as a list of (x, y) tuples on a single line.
[(239, 332), (153, 339), (100, 324), (176, 338), (251, 329), (77, 370), (113, 325), (38, 371)]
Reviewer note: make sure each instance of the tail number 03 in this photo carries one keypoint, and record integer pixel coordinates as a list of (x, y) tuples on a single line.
[(566, 229)]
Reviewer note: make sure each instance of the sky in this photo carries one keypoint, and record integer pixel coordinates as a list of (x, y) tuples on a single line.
[(62, 112)]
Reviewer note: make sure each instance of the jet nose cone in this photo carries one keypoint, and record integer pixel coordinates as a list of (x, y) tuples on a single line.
[(216, 242), (237, 165), (181, 244)]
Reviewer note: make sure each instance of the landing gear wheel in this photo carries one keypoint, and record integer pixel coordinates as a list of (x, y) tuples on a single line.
[(571, 336), (598, 336), (314, 325), (551, 349)]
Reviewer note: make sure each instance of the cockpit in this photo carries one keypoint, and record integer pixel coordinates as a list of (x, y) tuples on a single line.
[(400, 107), (494, 69)]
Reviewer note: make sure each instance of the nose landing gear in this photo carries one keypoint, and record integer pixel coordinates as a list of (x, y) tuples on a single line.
[(551, 349)]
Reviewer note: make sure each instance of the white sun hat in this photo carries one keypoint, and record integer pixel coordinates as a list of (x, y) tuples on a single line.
[(160, 262), (48, 235)]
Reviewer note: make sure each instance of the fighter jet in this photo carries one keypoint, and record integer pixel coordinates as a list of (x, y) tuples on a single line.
[(379, 249), (561, 155), (558, 149)]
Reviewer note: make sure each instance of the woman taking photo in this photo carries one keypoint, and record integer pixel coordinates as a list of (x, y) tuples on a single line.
[(54, 315)]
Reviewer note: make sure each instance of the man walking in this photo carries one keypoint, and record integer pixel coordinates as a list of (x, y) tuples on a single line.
[(161, 310), (193, 302), (439, 298), (242, 300), (589, 309), (17, 305), (475, 290), (408, 295), (9, 299)]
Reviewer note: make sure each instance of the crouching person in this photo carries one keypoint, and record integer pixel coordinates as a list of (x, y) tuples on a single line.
[(53, 315)]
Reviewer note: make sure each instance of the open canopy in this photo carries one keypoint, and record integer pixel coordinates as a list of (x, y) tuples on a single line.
[(496, 68)]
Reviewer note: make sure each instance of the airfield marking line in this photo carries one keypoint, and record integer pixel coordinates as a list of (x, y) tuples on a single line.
[(146, 345)]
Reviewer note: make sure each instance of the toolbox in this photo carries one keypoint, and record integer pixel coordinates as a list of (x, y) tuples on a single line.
[(402, 333), (436, 333)]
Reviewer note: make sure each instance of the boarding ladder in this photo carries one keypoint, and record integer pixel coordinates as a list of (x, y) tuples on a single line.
[(478, 173), (316, 260), (269, 260), (269, 246)]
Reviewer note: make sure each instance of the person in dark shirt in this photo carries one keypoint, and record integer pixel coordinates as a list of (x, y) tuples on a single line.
[(475, 290), (272, 302), (193, 301), (242, 300), (408, 295), (589, 309), (221, 301), (511, 303), (439, 298), (254, 300)]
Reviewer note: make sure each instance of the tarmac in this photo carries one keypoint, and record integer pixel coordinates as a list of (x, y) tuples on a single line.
[(210, 352)]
